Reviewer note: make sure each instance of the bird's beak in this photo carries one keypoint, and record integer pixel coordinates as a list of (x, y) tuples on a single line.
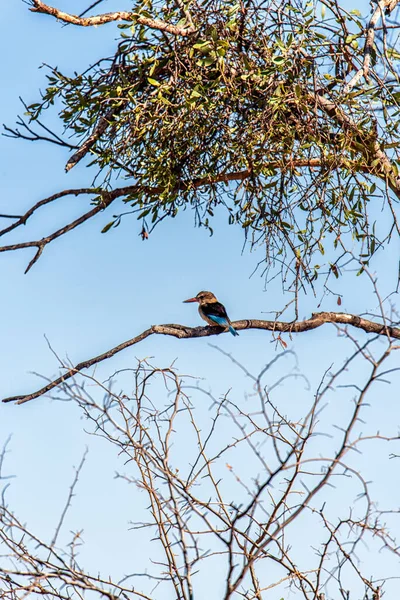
[(191, 300)]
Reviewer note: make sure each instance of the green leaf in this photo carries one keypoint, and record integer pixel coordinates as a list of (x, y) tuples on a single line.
[(206, 62), (107, 227)]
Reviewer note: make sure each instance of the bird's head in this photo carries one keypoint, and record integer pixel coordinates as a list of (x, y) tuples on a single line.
[(203, 298)]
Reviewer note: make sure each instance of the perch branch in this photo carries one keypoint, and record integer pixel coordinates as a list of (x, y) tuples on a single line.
[(183, 332)]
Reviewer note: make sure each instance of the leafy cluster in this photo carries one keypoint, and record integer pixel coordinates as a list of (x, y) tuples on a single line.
[(232, 115)]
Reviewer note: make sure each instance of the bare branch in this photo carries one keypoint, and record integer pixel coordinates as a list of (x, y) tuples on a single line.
[(32, 136), (41, 244), (40, 7), (69, 499), (10, 217), (183, 332), (389, 5), (22, 219)]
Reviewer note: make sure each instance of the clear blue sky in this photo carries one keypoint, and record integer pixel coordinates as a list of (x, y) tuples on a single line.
[(89, 292)]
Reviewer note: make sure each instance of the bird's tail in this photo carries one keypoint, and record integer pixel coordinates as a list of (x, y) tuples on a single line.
[(232, 330)]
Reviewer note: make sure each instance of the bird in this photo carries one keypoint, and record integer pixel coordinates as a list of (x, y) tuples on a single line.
[(212, 311)]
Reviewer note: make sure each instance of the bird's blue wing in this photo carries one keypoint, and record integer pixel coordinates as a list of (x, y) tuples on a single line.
[(219, 320), (215, 309), (223, 322)]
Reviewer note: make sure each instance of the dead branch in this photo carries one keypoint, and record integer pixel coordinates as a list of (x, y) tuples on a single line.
[(22, 219), (247, 527), (183, 332), (71, 494)]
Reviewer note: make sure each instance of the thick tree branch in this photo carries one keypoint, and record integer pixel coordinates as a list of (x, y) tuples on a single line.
[(182, 332), (39, 6)]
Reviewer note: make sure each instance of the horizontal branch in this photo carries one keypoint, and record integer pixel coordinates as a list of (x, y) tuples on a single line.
[(41, 7), (183, 332), (110, 196), (10, 216)]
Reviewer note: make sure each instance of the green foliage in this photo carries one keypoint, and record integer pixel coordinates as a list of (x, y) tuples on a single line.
[(227, 116)]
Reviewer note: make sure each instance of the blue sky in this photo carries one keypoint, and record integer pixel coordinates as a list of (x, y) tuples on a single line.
[(89, 292)]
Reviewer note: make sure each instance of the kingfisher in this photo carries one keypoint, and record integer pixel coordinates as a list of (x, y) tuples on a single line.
[(212, 311)]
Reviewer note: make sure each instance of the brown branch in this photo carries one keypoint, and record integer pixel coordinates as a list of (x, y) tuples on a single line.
[(10, 216), (110, 196), (41, 244), (41, 7), (376, 160), (92, 139), (71, 494), (183, 332), (22, 219), (389, 5)]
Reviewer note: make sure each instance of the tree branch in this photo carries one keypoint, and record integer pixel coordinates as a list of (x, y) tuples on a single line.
[(40, 7), (389, 5), (376, 160), (183, 332), (100, 128), (109, 197), (41, 244), (32, 136), (22, 219)]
